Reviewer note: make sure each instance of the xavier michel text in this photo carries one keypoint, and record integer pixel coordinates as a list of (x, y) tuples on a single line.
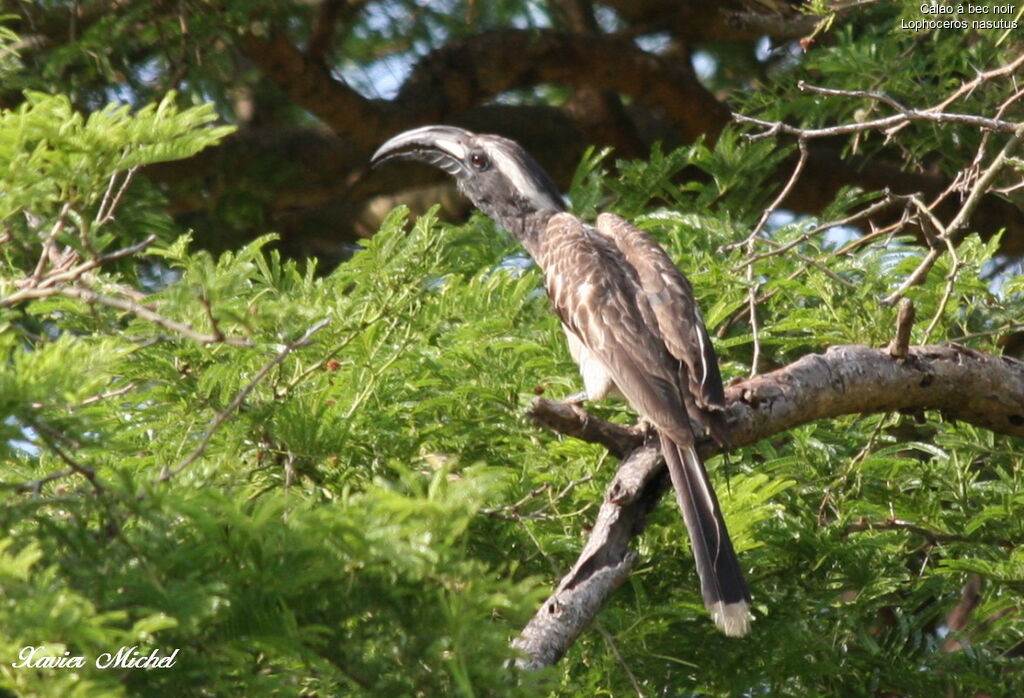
[(124, 658)]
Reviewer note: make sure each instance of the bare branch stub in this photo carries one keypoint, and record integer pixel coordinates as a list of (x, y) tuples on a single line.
[(572, 420), (900, 344)]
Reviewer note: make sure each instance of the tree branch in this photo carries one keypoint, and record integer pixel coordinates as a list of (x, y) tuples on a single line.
[(603, 565), (697, 21), (572, 420), (961, 383), (309, 83), (468, 71), (903, 115), (328, 16)]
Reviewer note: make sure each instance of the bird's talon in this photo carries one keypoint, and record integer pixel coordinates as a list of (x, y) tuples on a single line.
[(647, 428)]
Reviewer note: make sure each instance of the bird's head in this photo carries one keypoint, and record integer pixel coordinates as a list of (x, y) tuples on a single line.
[(497, 174)]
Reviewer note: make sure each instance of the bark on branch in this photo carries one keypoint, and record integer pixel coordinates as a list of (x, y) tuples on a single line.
[(308, 82), (961, 383), (696, 21), (604, 563)]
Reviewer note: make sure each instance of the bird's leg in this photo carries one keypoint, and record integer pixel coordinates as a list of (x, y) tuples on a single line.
[(577, 399)]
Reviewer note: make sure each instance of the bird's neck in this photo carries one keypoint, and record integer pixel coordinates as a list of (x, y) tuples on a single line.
[(528, 229)]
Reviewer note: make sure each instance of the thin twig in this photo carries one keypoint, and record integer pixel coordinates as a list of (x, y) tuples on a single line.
[(36, 486), (773, 128), (985, 180), (90, 296), (107, 395), (808, 262), (511, 512), (888, 231), (44, 255), (754, 326), (205, 302), (949, 234), (610, 641), (752, 286), (947, 293), (774, 206), (223, 415), (932, 536), (105, 213), (43, 287), (867, 212), (917, 277), (50, 438), (968, 87)]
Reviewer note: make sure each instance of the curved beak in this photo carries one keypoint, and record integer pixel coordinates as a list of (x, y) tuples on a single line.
[(442, 146)]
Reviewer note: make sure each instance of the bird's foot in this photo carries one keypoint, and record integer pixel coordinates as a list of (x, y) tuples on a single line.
[(575, 402), (646, 428)]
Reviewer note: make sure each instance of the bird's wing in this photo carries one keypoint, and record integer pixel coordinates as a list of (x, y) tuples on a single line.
[(600, 299), (595, 293), (671, 299)]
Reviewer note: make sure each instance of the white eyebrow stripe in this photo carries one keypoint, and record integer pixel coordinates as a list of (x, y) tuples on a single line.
[(513, 169)]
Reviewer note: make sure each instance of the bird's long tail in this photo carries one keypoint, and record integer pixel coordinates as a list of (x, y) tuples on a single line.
[(721, 580)]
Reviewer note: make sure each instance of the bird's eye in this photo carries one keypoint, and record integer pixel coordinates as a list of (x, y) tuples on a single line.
[(479, 161)]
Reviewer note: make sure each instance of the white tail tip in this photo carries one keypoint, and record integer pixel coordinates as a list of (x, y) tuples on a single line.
[(733, 619)]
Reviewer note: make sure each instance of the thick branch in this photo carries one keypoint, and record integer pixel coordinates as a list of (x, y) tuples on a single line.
[(961, 383), (572, 420), (328, 16), (468, 71), (308, 82), (727, 20), (456, 78)]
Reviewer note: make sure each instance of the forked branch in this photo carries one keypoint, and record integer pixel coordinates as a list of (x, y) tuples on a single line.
[(960, 383)]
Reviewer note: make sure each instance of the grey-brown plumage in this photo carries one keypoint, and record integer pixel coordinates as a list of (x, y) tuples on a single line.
[(630, 319)]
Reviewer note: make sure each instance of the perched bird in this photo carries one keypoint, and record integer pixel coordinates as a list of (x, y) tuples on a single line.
[(631, 322)]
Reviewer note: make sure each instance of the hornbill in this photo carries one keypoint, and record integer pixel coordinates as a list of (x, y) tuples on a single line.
[(631, 322)]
